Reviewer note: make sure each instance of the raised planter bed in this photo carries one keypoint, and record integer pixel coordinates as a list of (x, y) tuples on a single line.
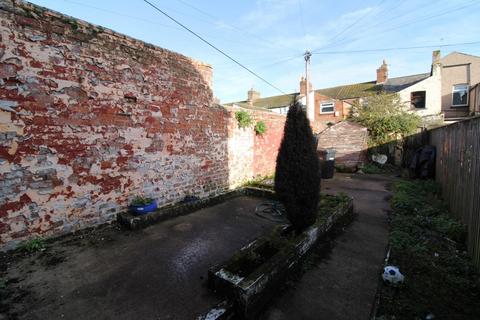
[(249, 279), (132, 221)]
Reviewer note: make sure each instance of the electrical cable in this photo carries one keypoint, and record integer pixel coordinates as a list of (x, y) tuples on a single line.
[(410, 22), (399, 48), (213, 46), (302, 22), (349, 26), (240, 30)]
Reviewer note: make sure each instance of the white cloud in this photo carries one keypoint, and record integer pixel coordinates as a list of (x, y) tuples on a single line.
[(351, 16), (307, 41), (219, 24), (268, 12)]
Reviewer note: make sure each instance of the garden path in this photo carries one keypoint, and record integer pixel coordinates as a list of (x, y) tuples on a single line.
[(343, 285)]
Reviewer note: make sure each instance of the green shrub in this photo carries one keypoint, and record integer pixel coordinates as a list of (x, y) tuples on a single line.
[(243, 118), (141, 201), (264, 182), (428, 246), (32, 245), (404, 241), (260, 128), (297, 174), (418, 206), (385, 117), (371, 168), (449, 227)]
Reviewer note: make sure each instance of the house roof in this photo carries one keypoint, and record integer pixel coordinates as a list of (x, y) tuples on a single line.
[(270, 102), (400, 83), (462, 53), (349, 91)]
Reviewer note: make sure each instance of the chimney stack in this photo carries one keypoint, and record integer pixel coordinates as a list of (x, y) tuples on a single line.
[(252, 96), (303, 82), (436, 56), (382, 73), (436, 64)]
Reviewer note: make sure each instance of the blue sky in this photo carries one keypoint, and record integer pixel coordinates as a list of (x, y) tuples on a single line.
[(270, 36)]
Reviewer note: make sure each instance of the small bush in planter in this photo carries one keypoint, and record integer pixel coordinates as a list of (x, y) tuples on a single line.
[(260, 128), (243, 118), (297, 175), (142, 205)]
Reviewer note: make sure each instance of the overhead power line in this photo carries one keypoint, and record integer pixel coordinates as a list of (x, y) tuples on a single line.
[(408, 23), (116, 13), (215, 19), (120, 14), (301, 17), (398, 48), (398, 16), (426, 18), (213, 46), (276, 63), (348, 27), (356, 21)]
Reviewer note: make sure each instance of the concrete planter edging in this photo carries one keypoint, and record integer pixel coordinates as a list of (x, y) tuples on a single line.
[(167, 212), (250, 293)]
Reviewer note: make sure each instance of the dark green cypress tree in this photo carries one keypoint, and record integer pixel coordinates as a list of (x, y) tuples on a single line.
[(297, 175)]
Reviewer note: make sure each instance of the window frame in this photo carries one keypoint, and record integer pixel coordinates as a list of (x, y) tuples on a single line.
[(424, 100), (332, 103), (453, 94)]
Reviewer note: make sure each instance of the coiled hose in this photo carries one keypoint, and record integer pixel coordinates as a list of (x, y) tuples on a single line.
[(271, 210)]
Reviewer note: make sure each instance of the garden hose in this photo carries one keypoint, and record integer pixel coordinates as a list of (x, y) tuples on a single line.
[(271, 210)]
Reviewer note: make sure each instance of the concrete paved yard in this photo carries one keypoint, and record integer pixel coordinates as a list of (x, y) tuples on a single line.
[(343, 285), (156, 273), (160, 272)]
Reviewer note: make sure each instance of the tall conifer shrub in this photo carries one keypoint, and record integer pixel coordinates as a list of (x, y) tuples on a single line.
[(297, 175)]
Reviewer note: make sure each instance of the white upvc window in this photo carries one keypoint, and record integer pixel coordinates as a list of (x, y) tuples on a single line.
[(283, 110), (460, 95), (327, 107)]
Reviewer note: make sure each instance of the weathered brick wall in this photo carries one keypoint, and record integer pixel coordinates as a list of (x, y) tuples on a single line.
[(240, 151), (266, 146), (252, 155), (349, 140), (90, 118)]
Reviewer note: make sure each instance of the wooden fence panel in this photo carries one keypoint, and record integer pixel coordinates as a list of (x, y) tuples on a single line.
[(458, 173)]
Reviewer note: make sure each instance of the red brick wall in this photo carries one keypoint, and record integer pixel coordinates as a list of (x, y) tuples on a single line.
[(252, 155), (349, 140), (328, 117), (98, 118), (267, 145), (90, 118)]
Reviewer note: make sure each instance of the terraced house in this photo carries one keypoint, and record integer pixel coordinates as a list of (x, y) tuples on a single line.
[(443, 92)]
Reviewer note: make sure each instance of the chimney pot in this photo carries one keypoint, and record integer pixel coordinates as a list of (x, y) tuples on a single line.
[(382, 73)]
